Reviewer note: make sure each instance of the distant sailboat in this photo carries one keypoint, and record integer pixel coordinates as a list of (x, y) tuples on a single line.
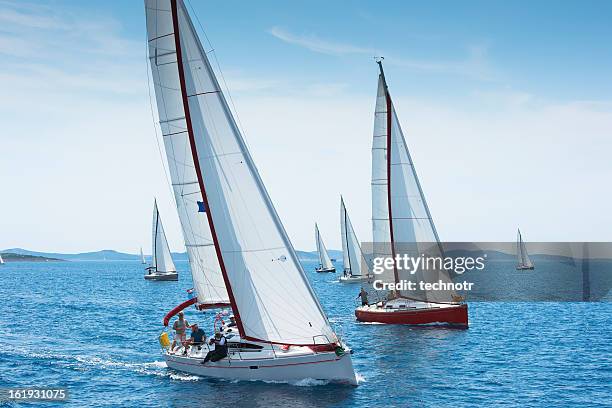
[(231, 229), (523, 261), (162, 267), (1, 260), (325, 263), (143, 261), (355, 266), (400, 216)]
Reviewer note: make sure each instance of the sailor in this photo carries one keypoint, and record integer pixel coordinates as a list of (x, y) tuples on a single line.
[(232, 322), (197, 337), (180, 327), (220, 350), (364, 296)]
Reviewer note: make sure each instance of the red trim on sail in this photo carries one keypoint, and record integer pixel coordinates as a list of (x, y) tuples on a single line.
[(288, 344), (177, 309), (181, 72), (204, 306), (389, 122)]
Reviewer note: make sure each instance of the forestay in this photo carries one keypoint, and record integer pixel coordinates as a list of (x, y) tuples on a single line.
[(267, 287), (162, 260), (205, 270), (354, 261), (324, 259)]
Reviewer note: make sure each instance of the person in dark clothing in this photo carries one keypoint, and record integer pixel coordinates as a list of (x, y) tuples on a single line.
[(364, 297), (197, 337), (220, 350)]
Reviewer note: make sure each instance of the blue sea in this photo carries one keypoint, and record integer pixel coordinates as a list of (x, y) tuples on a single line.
[(92, 327)]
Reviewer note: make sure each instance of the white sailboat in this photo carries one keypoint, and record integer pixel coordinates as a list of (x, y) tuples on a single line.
[(401, 217), (1, 260), (355, 266), (523, 261), (282, 332), (162, 267), (325, 263), (142, 258)]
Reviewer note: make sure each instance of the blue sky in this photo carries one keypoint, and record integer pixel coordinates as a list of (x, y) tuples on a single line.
[(506, 107)]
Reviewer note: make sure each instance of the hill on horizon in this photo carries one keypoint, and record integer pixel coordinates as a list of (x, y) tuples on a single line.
[(112, 255)]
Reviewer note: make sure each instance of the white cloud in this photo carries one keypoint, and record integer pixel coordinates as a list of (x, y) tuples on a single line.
[(475, 65), (316, 44)]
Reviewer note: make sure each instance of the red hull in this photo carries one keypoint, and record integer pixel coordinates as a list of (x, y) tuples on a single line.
[(456, 316)]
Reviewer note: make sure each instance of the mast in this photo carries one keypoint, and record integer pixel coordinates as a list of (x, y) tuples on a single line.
[(345, 237), (181, 73), (155, 234), (389, 206)]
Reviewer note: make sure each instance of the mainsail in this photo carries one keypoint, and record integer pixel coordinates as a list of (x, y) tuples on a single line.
[(523, 260), (1, 260), (162, 260), (324, 259), (267, 287), (205, 270), (353, 259), (401, 221)]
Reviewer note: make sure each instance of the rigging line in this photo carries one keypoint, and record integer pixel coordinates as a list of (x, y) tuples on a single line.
[(214, 53)]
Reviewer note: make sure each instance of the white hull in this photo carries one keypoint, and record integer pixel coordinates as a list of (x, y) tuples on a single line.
[(268, 364), (353, 279), (162, 276), (325, 270)]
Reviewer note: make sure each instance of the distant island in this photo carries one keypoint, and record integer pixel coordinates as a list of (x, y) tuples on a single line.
[(12, 257), (24, 255)]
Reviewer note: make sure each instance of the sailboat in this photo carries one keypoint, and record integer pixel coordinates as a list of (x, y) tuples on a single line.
[(325, 263), (282, 332), (355, 266), (1, 260), (400, 216), (142, 258), (162, 267), (523, 261)]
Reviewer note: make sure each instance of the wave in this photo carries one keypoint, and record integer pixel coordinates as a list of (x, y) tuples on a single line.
[(79, 362)]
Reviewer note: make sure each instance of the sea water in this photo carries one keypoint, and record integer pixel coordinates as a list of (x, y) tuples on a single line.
[(92, 327)]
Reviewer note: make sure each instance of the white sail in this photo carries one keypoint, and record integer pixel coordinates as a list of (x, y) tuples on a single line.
[(324, 259), (162, 259), (205, 270), (523, 257), (410, 228), (354, 261), (270, 295), (142, 257), (1, 260)]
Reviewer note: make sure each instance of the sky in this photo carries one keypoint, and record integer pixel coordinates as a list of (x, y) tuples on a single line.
[(505, 106)]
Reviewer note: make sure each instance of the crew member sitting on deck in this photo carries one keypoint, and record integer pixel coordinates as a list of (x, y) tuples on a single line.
[(197, 337), (230, 324), (364, 297), (220, 350), (180, 327)]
